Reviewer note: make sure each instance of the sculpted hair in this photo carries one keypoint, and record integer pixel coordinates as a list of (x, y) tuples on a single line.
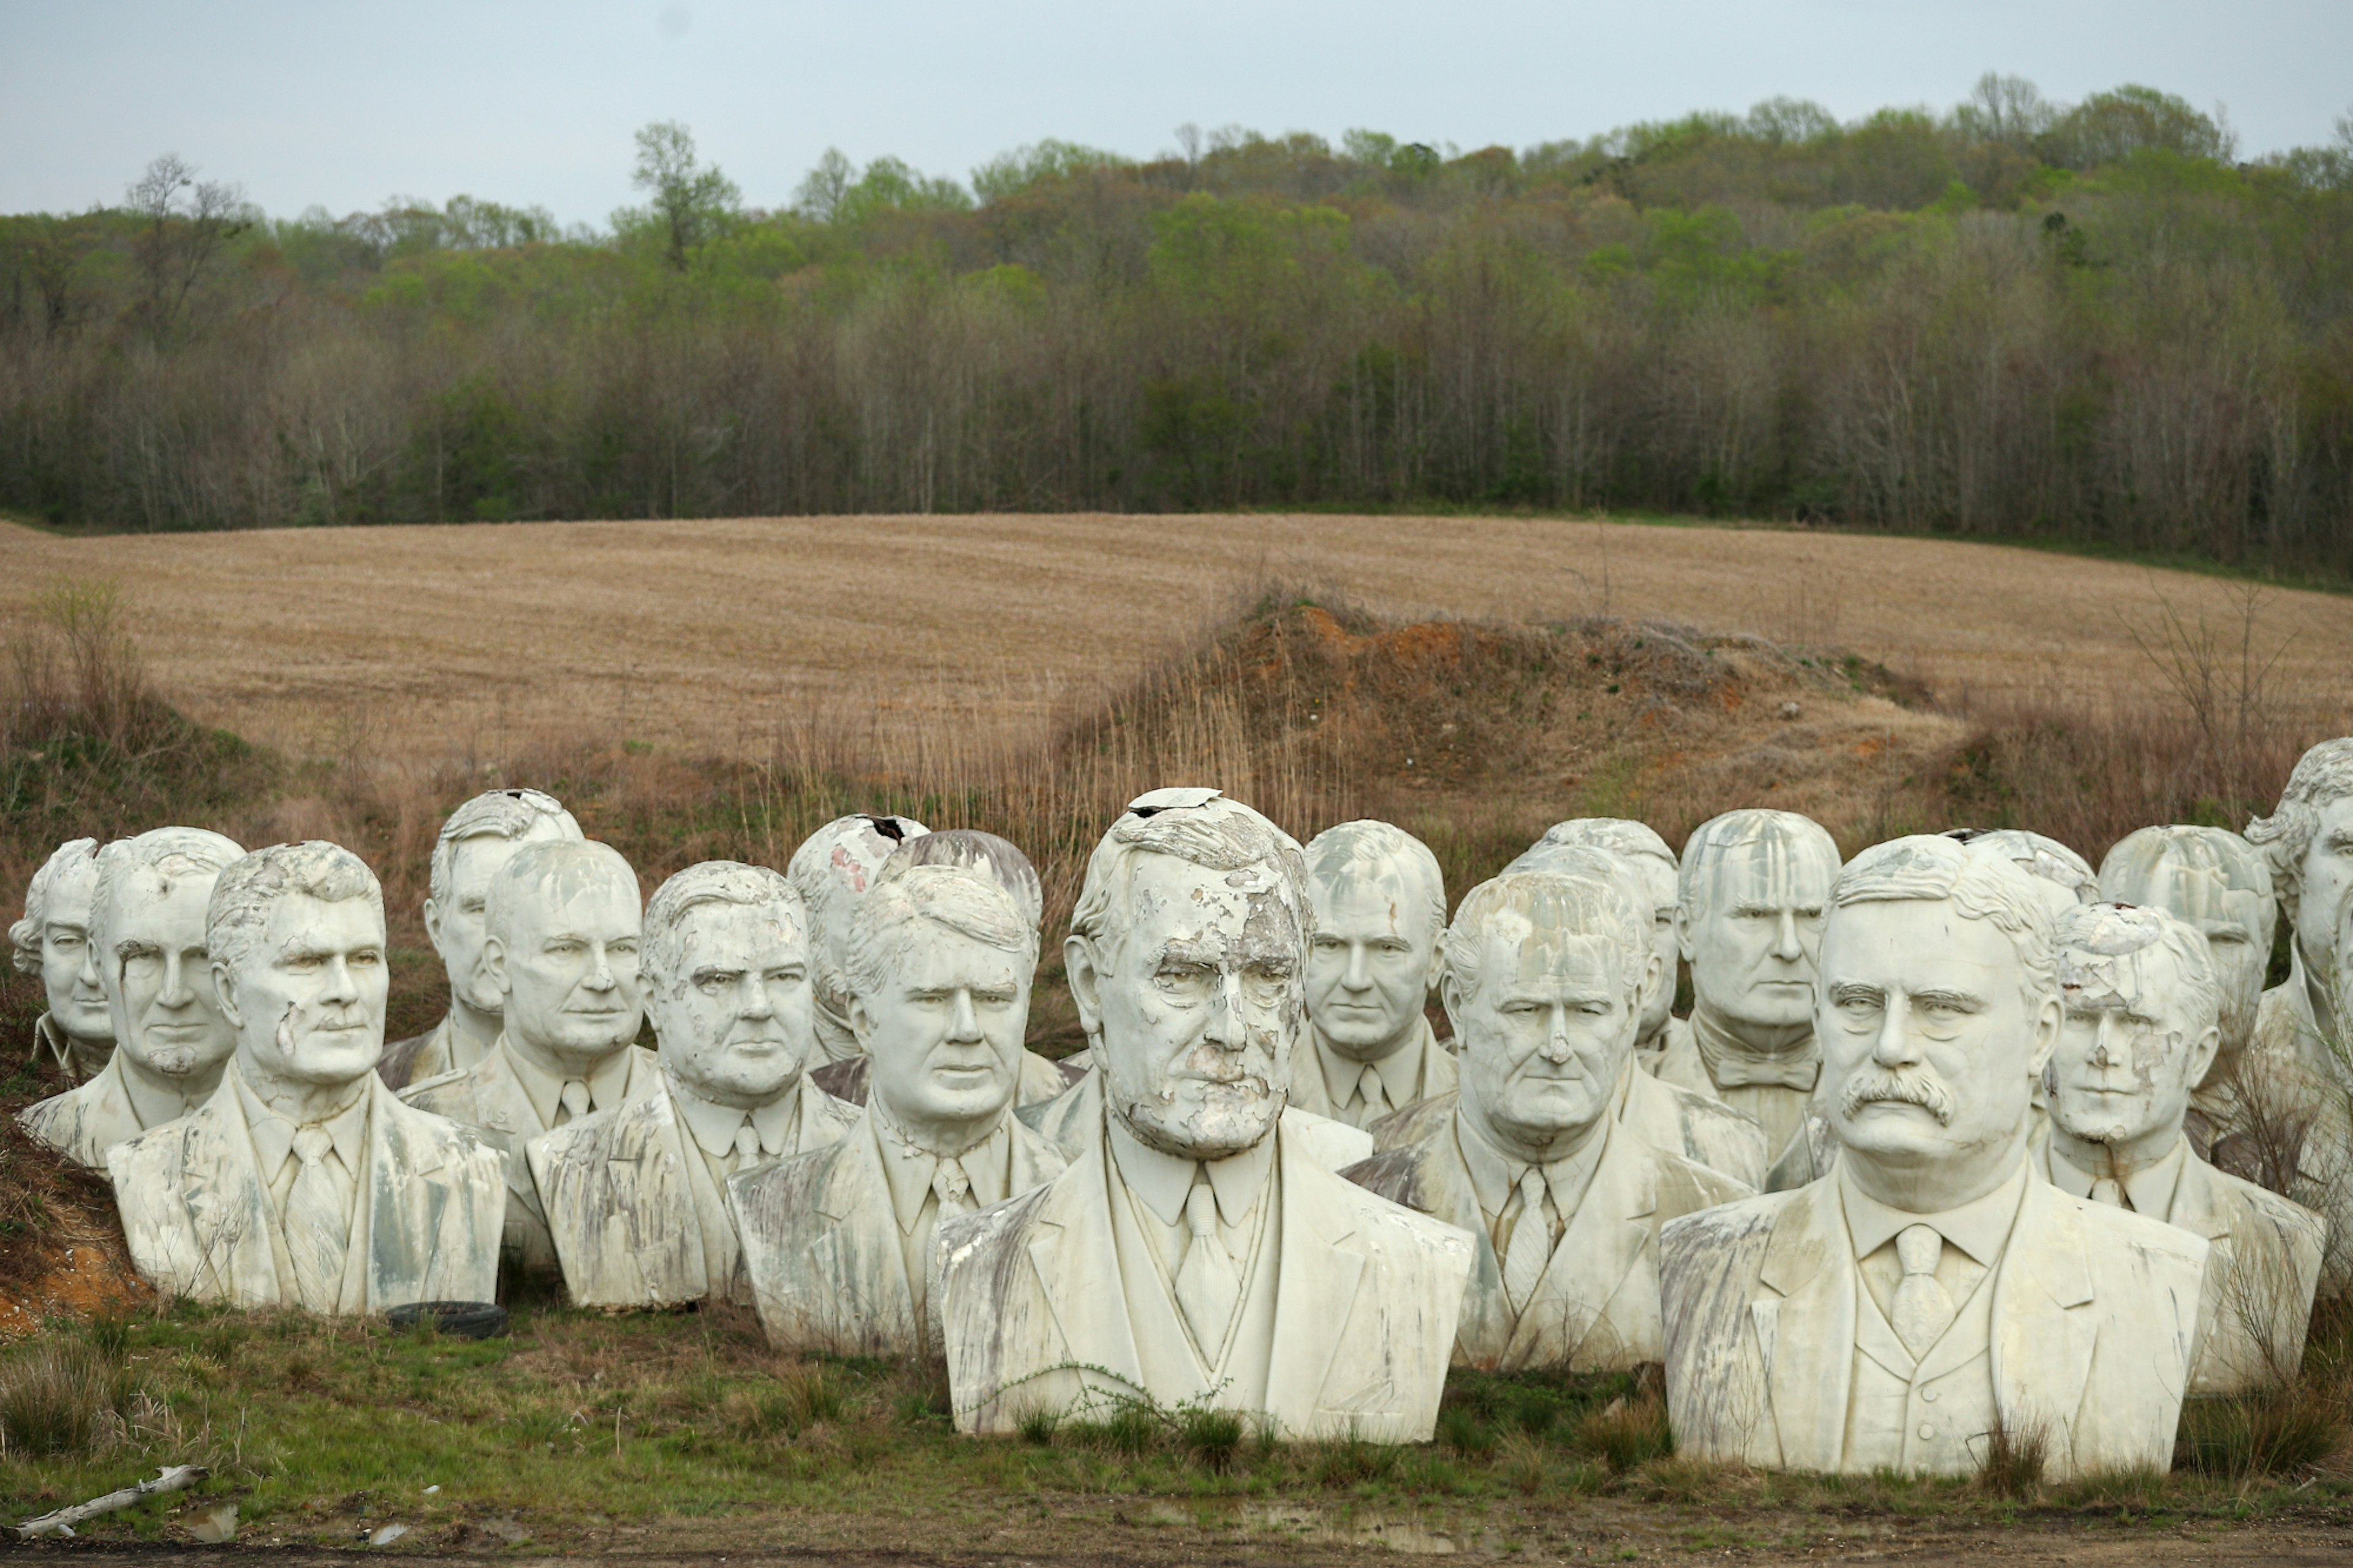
[(889, 922), (838, 863), (1364, 847), (1983, 887), (25, 936), (2132, 870), (174, 854), (238, 912), (1709, 843), (2035, 855), (1218, 835), (495, 814), (710, 882), (996, 859), (2117, 930), (2323, 776), (564, 866), (1590, 900), (1617, 835)]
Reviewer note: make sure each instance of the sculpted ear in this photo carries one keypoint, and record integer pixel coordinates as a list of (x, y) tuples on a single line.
[(1454, 999), (2202, 1051), (1437, 974), (1683, 932), (862, 1022), (433, 923), (493, 962), (1653, 976), (2047, 1020), (224, 995), (1079, 966)]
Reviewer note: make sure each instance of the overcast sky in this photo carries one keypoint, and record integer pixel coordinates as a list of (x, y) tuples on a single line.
[(339, 104)]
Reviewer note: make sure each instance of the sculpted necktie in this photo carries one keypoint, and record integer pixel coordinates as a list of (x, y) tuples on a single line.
[(1530, 1247), (2110, 1191), (1369, 1090), (574, 1102), (1922, 1309), (318, 1222), (747, 1148), (1208, 1286)]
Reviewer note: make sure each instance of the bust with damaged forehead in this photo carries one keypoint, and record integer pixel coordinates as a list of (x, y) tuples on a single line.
[(304, 1182), (2142, 1024), (1932, 1288), (833, 870), (1196, 1251), (146, 938), (1546, 973), (52, 939), (1640, 845)]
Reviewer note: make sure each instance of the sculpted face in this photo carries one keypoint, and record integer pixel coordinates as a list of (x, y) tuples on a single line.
[(1929, 1048), (2232, 920), (1754, 940), (734, 1022), (2125, 1061), (568, 969), (1659, 883), (1198, 1008), (308, 1000), (459, 930), (69, 971), (944, 1032), (167, 1016), (1547, 1032), (1371, 962), (2327, 880)]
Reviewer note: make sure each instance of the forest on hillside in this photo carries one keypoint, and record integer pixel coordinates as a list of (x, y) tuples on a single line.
[(2089, 322)]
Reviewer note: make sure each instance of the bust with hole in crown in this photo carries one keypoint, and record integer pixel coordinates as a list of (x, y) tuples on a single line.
[(1193, 1251), (304, 1182), (833, 869), (1933, 1289)]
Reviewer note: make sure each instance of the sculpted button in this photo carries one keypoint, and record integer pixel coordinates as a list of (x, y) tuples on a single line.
[(1927, 1432), (1929, 1394)]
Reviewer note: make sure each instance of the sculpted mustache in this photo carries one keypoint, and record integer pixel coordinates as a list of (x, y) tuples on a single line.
[(1898, 1089)]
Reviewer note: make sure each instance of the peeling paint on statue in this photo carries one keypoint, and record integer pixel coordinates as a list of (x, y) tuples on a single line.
[(833, 870), (52, 940)]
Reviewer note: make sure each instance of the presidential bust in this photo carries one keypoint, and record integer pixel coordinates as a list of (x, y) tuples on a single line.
[(1931, 1287), (1379, 904), (52, 940), (1249, 1276), (833, 870), (1640, 847), (478, 837), (839, 1244), (1546, 973), (2143, 1023), (302, 1182), (146, 936), (636, 1194)]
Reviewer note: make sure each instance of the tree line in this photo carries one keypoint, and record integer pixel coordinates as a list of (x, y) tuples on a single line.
[(2089, 322)]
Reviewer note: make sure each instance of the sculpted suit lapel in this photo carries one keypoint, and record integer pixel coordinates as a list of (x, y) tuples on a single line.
[(1074, 1265), (1319, 1269), (1606, 1239), (618, 1196), (859, 1246), (1803, 1319), (228, 1208), (2043, 1331)]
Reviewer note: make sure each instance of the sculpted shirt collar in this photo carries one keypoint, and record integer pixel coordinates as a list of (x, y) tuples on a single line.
[(1494, 1174), (1163, 1180), (1980, 1228), (908, 1167), (273, 1134), (713, 1125), (2150, 1188), (606, 1081), (1401, 1070), (1733, 1065)]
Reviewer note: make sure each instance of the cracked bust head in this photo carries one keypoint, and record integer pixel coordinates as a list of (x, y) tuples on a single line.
[(2141, 1024), (726, 978), (295, 937), (147, 928)]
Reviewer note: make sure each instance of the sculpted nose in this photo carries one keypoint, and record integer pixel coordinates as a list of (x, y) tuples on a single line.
[(340, 985), (1360, 973), (1893, 1047), (1223, 1027), (1558, 1047), (963, 1021), (2113, 1046), (600, 971), (175, 992), (752, 997), (1786, 945)]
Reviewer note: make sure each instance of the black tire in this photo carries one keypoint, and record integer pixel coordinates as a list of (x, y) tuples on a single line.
[(459, 1320)]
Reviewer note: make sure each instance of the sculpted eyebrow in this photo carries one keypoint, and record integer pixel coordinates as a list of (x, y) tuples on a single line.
[(1957, 1001)]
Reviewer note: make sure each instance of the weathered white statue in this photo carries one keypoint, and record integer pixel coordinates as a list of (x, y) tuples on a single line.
[(1932, 1288), (635, 1195), (831, 870), (1380, 914), (561, 954), (53, 942), (302, 1182), (1748, 916), (1546, 973), (146, 936), (1640, 847), (839, 1244), (479, 837), (2142, 1026), (2066, 877), (1194, 1252), (1002, 862)]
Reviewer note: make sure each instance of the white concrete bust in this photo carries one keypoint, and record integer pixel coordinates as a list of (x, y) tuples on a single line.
[(478, 837), (2065, 878), (840, 1244), (302, 1182), (1546, 973), (147, 938), (635, 1195), (833, 869), (561, 951), (2217, 883), (1640, 847), (1748, 920), (2142, 1025), (52, 940), (1379, 904), (1931, 1287), (2308, 842), (1250, 1278)]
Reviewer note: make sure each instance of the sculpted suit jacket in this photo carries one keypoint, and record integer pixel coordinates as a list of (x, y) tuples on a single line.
[(1596, 1308), (2094, 1315), (625, 1193), (1366, 1297), (821, 1243), (196, 1209), (87, 1120), (1311, 1092), (2261, 1276)]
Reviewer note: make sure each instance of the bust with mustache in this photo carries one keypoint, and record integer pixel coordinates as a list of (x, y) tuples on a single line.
[(1930, 1288)]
